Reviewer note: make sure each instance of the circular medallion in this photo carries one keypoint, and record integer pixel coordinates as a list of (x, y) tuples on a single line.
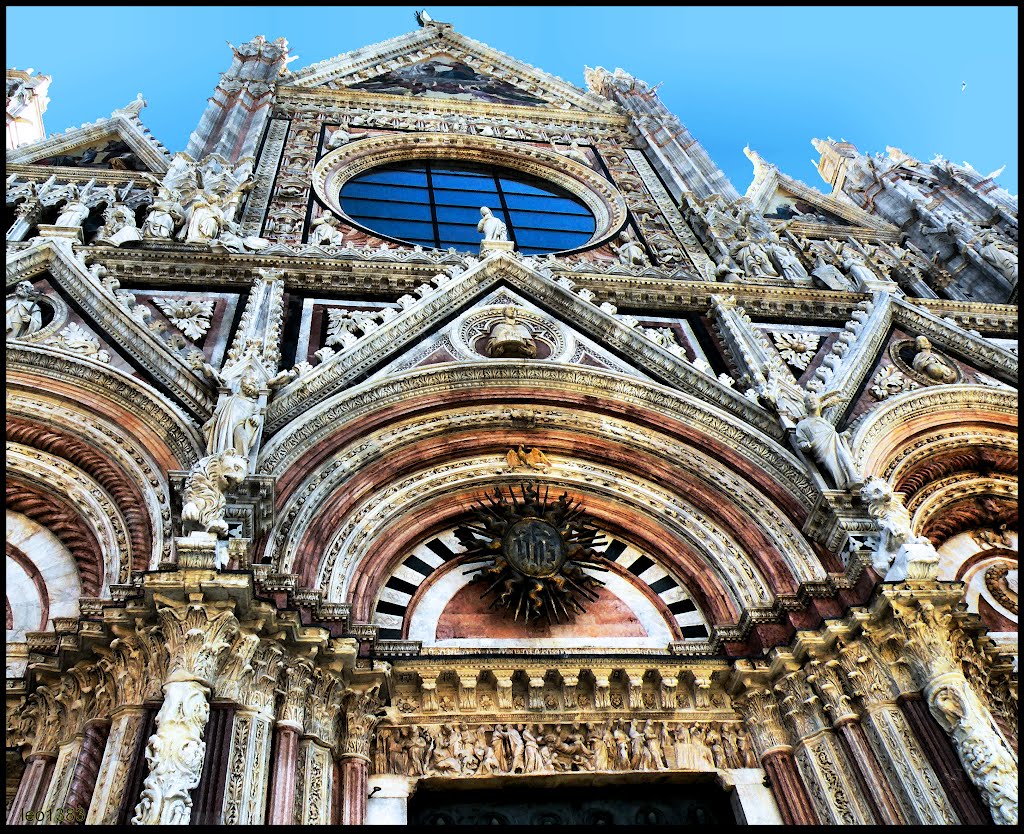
[(534, 547)]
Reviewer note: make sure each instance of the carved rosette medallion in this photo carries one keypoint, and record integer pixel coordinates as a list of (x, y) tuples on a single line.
[(535, 552)]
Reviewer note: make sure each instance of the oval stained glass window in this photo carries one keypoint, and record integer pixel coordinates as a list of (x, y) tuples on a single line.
[(436, 204)]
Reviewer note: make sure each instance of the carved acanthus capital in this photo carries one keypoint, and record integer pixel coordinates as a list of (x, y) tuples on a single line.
[(865, 674), (362, 712), (197, 636), (322, 705), (800, 705), (763, 717), (297, 680), (46, 712), (138, 664), (826, 678)]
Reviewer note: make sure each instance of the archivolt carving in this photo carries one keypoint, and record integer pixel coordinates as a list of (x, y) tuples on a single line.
[(167, 432), (535, 379), (125, 493), (305, 504), (65, 523), (597, 194), (351, 545), (92, 504), (881, 434), (122, 451)]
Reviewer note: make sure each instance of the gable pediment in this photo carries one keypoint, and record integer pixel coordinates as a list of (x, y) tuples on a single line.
[(438, 63), (615, 342), (119, 142)]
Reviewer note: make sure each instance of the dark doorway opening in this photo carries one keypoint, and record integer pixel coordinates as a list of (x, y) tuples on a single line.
[(623, 804)]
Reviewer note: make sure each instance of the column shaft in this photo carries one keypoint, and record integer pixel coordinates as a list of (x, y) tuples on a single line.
[(788, 789), (355, 777), (34, 783), (959, 789), (281, 805), (83, 780), (873, 784)]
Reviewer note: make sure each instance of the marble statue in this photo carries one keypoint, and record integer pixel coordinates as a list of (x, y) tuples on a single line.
[(326, 232), (24, 315), (630, 252), (74, 213), (930, 364), (491, 226), (510, 338), (164, 216), (120, 227), (231, 239), (751, 257), (899, 553), (203, 502), (236, 421), (205, 221), (818, 436), (999, 255), (788, 263)]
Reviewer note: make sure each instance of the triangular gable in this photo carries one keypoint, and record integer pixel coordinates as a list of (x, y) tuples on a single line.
[(118, 142), (415, 65), (459, 340), (780, 197), (376, 349), (114, 319)]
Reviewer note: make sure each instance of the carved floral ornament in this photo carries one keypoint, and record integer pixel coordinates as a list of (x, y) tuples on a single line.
[(603, 200)]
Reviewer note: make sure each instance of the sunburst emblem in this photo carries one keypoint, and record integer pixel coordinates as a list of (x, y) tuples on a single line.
[(535, 552)]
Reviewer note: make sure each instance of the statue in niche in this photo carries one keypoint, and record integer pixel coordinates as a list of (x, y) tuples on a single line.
[(859, 271), (491, 226), (749, 255), (73, 214), (829, 275), (24, 315), (510, 338), (930, 364), (818, 436), (326, 231), (164, 216)]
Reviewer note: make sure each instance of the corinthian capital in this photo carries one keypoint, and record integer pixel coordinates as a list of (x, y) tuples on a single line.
[(362, 712), (197, 637), (764, 720)]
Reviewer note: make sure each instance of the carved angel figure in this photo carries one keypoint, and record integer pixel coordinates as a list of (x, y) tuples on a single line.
[(24, 315), (818, 436), (999, 254)]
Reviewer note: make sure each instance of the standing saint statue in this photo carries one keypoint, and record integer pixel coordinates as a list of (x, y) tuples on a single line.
[(74, 213), (236, 420), (24, 315), (818, 436), (491, 226)]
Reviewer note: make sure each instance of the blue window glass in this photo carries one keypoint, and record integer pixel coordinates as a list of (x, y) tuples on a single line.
[(437, 204)]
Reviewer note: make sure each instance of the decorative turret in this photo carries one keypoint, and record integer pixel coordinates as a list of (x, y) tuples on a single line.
[(26, 103), (675, 154), (240, 106)]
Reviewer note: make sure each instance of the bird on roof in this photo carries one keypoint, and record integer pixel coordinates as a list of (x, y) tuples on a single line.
[(422, 18)]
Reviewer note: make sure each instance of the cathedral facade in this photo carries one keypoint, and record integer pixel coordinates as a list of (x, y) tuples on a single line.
[(435, 441)]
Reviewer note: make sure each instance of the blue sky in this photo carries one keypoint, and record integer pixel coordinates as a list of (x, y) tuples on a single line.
[(770, 77)]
